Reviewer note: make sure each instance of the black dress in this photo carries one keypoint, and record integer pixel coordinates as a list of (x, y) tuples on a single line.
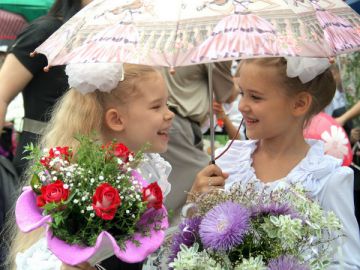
[(45, 88)]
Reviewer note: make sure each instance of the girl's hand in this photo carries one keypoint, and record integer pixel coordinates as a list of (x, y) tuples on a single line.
[(82, 266), (219, 110), (208, 178)]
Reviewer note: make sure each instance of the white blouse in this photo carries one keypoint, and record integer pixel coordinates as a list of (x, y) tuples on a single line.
[(322, 175)]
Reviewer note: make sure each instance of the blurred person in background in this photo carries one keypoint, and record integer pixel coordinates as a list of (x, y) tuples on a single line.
[(40, 89)]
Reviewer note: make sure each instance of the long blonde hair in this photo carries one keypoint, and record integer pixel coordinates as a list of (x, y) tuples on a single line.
[(76, 113)]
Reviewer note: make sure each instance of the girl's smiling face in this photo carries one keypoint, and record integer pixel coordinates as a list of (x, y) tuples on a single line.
[(147, 117), (266, 108)]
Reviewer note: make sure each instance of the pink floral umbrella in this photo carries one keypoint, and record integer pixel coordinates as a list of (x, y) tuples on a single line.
[(184, 32)]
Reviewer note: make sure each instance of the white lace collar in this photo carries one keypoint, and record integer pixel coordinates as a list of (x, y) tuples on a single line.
[(309, 171)]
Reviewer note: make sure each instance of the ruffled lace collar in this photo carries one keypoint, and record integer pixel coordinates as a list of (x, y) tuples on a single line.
[(155, 168), (310, 171)]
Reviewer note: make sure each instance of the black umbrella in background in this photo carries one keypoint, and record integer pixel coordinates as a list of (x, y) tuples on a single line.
[(11, 25)]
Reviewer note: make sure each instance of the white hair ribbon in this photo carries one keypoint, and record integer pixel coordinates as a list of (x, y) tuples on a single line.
[(306, 68), (87, 77)]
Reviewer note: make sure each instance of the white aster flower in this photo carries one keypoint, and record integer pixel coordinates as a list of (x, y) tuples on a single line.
[(335, 142)]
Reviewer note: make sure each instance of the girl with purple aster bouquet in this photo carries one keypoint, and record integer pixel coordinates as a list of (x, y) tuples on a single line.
[(243, 228), (276, 184)]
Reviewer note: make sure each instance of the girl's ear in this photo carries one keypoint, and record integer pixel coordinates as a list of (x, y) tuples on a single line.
[(114, 120), (302, 103)]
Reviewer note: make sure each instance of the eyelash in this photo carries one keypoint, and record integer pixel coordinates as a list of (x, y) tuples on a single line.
[(252, 96)]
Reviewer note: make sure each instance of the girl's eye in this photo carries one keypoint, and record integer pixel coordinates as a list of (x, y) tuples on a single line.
[(255, 97)]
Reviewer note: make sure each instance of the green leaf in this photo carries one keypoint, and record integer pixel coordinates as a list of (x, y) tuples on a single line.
[(35, 184)]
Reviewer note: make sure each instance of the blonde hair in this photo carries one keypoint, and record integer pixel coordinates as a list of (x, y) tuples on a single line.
[(321, 88), (74, 114)]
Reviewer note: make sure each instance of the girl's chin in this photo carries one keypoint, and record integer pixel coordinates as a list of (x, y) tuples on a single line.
[(158, 149)]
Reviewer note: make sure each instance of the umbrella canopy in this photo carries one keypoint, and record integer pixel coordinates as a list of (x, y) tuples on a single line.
[(185, 32), (29, 9), (10, 26)]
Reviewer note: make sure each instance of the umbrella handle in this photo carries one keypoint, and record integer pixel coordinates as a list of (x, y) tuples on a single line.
[(232, 140), (212, 126)]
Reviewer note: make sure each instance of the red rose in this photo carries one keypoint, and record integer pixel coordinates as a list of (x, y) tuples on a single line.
[(152, 194), (106, 201), (54, 192), (121, 151)]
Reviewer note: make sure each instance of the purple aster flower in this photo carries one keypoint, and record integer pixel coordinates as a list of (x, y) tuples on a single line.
[(274, 209), (286, 263), (187, 235), (224, 226)]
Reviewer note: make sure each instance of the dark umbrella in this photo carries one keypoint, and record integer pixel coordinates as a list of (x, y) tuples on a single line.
[(10, 26), (30, 9), (354, 4)]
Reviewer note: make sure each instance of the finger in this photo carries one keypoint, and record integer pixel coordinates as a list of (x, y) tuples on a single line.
[(216, 181), (225, 175), (212, 170), (215, 103), (82, 266)]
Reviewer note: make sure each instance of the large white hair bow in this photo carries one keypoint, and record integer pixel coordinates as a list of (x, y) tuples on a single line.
[(306, 68), (87, 77)]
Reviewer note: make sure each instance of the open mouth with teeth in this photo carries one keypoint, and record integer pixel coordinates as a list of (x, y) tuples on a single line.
[(250, 121), (163, 133)]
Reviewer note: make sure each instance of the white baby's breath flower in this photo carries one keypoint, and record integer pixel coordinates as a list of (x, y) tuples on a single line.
[(66, 186), (101, 178), (89, 208), (76, 201), (92, 215)]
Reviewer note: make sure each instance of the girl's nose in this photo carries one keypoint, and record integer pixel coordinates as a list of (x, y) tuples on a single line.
[(242, 105), (169, 115)]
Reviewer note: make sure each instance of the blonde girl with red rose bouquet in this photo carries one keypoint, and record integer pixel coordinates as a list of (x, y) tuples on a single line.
[(126, 107)]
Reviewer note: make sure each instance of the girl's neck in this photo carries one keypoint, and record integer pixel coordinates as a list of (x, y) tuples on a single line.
[(275, 158), (283, 146)]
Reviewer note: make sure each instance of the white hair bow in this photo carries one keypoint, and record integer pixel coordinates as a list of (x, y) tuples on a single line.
[(87, 77), (306, 68)]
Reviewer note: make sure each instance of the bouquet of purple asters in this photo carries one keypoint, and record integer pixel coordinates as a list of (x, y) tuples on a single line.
[(251, 228)]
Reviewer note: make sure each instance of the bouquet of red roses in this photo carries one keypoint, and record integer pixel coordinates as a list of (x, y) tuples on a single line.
[(93, 202)]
